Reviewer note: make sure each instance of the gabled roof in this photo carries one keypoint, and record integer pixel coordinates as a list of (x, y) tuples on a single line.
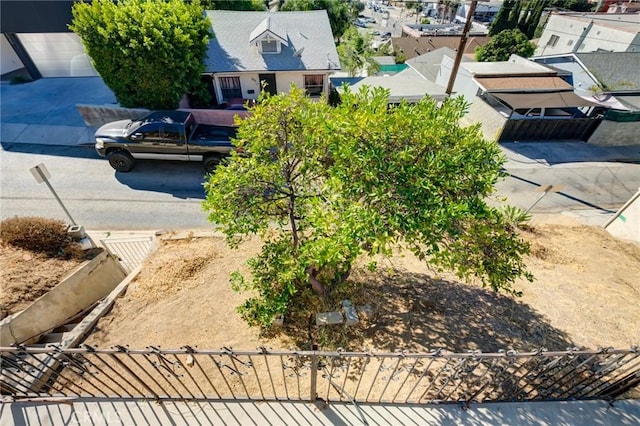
[(267, 26), (309, 41), (408, 85), (618, 71), (429, 64)]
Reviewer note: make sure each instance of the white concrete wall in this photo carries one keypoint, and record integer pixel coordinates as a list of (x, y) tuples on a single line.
[(82, 288), (9, 61), (251, 81), (626, 222), (58, 54), (569, 30)]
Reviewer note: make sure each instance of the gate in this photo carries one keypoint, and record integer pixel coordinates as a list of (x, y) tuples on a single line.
[(540, 130)]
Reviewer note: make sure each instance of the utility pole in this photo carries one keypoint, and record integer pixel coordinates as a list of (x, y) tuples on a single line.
[(461, 46)]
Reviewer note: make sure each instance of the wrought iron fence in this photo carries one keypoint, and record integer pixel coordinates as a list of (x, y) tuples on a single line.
[(399, 377)]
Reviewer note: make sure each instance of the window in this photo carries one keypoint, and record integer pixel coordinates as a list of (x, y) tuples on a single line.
[(570, 42), (269, 46), (172, 132), (553, 41), (230, 87), (314, 84)]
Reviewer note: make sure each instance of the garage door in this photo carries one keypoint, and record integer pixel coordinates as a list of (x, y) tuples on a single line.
[(57, 54)]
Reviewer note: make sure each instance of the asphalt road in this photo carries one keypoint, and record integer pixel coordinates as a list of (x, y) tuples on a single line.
[(156, 195), (167, 195)]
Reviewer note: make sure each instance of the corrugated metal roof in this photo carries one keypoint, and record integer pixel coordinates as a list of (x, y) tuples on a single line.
[(307, 33), (523, 83)]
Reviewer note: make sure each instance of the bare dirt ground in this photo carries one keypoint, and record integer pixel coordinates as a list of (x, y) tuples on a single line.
[(586, 295), (25, 276)]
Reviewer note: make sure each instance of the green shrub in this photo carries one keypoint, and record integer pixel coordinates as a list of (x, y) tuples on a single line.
[(38, 234)]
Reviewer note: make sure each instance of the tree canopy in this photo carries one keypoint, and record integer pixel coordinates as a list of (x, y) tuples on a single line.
[(503, 45), (248, 5), (523, 15), (149, 53), (322, 185), (356, 53), (339, 11)]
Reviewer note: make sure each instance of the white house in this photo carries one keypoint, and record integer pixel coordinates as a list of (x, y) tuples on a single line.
[(252, 50), (567, 33)]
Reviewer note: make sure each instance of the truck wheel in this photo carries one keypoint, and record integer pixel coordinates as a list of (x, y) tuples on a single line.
[(211, 162), (122, 161)]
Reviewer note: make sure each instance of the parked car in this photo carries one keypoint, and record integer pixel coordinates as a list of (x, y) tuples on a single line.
[(163, 135)]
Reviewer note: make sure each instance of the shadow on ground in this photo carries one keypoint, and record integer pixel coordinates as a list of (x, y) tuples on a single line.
[(417, 312)]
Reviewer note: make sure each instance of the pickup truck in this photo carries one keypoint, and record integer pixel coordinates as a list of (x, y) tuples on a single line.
[(163, 135)]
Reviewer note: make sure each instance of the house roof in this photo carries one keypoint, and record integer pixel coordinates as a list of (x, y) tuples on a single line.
[(618, 71), (416, 46), (308, 35), (429, 64), (408, 85), (507, 68), (543, 100), (627, 22), (492, 84)]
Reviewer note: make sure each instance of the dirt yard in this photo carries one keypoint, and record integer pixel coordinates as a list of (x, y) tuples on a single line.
[(586, 294), (27, 276)]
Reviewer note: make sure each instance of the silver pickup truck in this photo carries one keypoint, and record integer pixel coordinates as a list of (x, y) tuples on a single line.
[(163, 135)]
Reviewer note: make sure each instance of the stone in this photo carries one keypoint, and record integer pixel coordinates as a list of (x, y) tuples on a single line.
[(351, 316), (328, 318)]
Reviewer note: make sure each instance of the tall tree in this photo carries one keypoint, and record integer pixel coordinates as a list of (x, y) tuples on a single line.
[(323, 185), (149, 53), (234, 4), (503, 45), (356, 53), (501, 21), (339, 11)]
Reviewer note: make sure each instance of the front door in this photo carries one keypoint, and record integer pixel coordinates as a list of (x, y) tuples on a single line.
[(268, 81)]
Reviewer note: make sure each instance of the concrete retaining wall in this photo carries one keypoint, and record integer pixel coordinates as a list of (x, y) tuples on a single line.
[(616, 133), (89, 283), (625, 223)]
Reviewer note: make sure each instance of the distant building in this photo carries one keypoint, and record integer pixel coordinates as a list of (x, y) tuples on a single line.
[(598, 32)]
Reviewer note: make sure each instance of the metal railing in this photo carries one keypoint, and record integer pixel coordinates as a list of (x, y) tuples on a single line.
[(399, 377)]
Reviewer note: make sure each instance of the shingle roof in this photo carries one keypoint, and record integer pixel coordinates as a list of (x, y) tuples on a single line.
[(618, 71), (308, 35), (416, 46), (429, 64)]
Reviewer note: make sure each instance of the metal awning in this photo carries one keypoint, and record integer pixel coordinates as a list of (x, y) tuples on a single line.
[(543, 100)]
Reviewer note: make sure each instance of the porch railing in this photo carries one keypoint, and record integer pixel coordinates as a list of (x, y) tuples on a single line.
[(398, 377)]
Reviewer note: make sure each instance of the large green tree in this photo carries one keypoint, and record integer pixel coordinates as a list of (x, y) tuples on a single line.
[(356, 53), (249, 5), (339, 11), (322, 185), (149, 53), (503, 45)]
